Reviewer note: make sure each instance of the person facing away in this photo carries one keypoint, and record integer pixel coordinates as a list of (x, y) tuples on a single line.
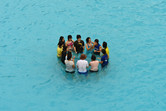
[(106, 48), (104, 58), (62, 39), (70, 43), (82, 65), (63, 57), (70, 63), (79, 45), (59, 49), (97, 47), (89, 43), (94, 64)]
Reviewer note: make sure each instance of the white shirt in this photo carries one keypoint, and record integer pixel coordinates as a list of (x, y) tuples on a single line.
[(69, 66), (82, 65)]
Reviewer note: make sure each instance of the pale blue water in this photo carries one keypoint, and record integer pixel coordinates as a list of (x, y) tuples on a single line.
[(33, 79)]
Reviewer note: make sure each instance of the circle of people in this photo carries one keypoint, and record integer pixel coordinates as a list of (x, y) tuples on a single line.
[(65, 49)]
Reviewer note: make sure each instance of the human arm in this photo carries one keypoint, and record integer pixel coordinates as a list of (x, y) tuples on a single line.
[(87, 47), (73, 62)]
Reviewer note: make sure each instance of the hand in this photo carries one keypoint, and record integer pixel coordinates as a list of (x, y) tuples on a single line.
[(76, 52), (74, 57), (95, 51)]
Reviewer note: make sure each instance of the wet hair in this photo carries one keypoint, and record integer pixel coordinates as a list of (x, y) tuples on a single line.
[(97, 41), (103, 51), (64, 48), (69, 37), (83, 57), (87, 39), (105, 45), (69, 55), (93, 57), (61, 38), (78, 36), (60, 44)]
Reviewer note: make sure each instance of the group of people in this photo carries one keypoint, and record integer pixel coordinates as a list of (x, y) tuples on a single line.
[(65, 49)]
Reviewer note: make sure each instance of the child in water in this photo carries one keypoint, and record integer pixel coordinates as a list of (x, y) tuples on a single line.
[(70, 43)]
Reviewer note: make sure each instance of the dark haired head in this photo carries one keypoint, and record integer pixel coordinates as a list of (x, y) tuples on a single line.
[(69, 37), (87, 39), (61, 38), (69, 55), (103, 51), (78, 36), (64, 48), (97, 41), (60, 44), (83, 57), (93, 57), (105, 45)]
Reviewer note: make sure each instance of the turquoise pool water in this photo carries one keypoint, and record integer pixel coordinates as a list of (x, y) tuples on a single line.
[(33, 79)]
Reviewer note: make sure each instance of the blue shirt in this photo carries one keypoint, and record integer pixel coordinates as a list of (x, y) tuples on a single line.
[(97, 47), (105, 60)]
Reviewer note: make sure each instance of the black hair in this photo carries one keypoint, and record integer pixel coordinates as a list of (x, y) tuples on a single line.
[(93, 57), (69, 55), (87, 39), (105, 45), (103, 51), (64, 48), (69, 37), (96, 40), (60, 44), (61, 38), (78, 36)]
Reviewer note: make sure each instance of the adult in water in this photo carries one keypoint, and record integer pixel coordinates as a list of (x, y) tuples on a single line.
[(70, 63), (79, 45), (89, 43), (104, 58), (82, 65), (97, 47), (59, 49), (70, 43), (106, 48)]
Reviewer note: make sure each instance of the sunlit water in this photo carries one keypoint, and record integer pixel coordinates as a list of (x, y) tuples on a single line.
[(32, 78)]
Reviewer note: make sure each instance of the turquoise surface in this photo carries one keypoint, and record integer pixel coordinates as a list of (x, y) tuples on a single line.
[(33, 79)]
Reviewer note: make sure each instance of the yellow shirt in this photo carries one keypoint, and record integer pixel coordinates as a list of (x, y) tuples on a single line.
[(107, 51), (59, 51)]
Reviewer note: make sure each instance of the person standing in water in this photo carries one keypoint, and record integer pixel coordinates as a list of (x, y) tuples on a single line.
[(97, 47), (79, 45), (59, 49), (94, 64), (89, 45), (70, 43), (106, 48), (104, 58), (70, 63), (82, 65)]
